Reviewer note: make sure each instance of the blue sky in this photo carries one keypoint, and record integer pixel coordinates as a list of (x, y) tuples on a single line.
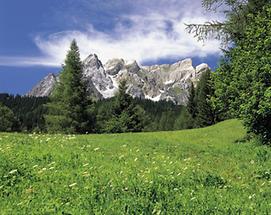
[(35, 35)]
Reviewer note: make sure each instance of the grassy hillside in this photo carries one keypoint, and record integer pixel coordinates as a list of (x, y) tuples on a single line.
[(200, 171)]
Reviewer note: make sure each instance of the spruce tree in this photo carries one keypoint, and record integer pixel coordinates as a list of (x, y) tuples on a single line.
[(126, 115), (205, 114), (6, 118), (244, 89), (191, 104), (68, 110)]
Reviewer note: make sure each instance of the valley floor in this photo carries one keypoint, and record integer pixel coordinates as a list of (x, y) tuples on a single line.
[(200, 171)]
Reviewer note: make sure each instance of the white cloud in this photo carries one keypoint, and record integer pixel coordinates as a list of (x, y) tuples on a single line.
[(149, 37)]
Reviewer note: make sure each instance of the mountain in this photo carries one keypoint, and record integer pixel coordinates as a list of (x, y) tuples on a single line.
[(158, 82)]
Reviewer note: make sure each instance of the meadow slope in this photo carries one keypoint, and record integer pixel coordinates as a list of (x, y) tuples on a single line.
[(199, 171)]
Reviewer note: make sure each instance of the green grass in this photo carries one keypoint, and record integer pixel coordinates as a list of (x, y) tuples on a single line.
[(200, 171)]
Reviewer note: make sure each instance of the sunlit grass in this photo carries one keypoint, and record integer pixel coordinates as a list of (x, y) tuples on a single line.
[(200, 171)]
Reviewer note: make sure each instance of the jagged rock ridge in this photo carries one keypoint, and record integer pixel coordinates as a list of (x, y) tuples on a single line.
[(158, 82)]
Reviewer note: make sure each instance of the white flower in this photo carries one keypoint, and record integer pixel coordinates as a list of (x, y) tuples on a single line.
[(72, 185), (13, 171), (252, 196)]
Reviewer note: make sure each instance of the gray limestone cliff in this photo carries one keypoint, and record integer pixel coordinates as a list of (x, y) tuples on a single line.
[(158, 82)]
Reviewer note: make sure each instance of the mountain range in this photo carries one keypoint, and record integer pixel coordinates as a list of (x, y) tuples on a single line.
[(168, 82)]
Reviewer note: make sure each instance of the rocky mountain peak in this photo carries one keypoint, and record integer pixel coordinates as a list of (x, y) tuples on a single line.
[(113, 66), (158, 82), (186, 63), (92, 61), (132, 66), (201, 68), (44, 87)]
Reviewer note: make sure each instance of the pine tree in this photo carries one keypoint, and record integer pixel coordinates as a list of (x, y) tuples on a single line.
[(205, 114), (191, 105), (126, 115), (6, 118), (245, 87), (232, 29), (70, 105)]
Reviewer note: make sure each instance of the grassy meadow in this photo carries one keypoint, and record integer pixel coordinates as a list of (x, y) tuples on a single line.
[(200, 171)]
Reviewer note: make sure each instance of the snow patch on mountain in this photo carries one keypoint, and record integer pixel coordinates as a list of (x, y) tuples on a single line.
[(168, 82)]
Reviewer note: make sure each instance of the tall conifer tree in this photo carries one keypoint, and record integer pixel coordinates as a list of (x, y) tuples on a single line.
[(68, 109), (205, 114), (126, 115), (191, 105), (6, 118)]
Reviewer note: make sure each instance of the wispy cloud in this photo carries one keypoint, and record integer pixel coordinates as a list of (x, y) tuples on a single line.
[(150, 31)]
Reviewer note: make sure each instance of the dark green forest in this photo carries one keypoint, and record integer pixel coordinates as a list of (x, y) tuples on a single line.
[(28, 114)]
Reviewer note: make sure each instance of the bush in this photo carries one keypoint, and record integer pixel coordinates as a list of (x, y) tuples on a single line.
[(6, 118)]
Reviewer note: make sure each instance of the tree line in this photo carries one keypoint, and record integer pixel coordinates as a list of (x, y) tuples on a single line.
[(70, 109), (241, 86), (26, 114)]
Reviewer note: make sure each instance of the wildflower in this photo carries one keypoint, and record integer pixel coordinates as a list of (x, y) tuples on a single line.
[(85, 174), (20, 203), (29, 190), (51, 163), (120, 157), (13, 171), (72, 185), (252, 196)]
